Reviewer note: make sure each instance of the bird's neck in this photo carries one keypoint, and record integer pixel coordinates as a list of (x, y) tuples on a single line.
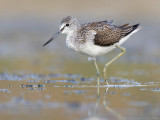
[(71, 39), (73, 32)]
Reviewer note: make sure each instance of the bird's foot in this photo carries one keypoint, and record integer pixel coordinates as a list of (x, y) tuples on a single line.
[(106, 81)]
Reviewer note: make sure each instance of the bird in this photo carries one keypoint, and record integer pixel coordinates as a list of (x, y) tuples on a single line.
[(95, 38)]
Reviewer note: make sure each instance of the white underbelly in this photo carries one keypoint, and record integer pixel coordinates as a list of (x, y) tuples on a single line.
[(94, 50)]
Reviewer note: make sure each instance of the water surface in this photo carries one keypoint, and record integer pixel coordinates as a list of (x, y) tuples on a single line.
[(133, 93)]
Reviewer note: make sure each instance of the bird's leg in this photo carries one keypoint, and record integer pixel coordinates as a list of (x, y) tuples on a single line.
[(98, 73), (107, 64), (97, 68)]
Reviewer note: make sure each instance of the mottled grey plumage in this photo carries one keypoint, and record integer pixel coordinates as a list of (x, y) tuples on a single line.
[(66, 19), (95, 38), (106, 32)]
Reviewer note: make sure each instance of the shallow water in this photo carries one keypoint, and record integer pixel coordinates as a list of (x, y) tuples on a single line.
[(54, 83), (133, 93)]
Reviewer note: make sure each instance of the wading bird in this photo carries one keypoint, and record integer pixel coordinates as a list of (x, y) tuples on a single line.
[(95, 38)]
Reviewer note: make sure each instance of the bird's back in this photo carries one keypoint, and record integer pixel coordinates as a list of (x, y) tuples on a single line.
[(107, 33)]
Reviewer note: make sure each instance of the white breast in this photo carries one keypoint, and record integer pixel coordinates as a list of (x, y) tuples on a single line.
[(70, 42)]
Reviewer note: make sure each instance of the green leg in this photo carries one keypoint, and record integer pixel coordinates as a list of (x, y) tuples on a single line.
[(98, 73), (110, 62)]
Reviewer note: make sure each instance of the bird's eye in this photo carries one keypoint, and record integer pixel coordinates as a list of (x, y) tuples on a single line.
[(67, 24)]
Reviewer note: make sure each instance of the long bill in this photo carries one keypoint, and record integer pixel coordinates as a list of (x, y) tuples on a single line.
[(54, 36)]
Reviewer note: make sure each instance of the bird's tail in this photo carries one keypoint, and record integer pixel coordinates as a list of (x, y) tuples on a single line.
[(126, 29)]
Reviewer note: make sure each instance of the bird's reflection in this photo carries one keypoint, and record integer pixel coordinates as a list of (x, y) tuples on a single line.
[(98, 99), (104, 99), (110, 110)]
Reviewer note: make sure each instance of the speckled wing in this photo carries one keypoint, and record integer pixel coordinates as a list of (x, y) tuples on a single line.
[(107, 36), (106, 32), (89, 31), (111, 34)]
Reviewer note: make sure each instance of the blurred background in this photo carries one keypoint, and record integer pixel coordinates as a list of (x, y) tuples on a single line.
[(26, 25), (54, 82)]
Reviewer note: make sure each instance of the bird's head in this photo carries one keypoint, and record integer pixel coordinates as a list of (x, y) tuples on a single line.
[(68, 25)]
